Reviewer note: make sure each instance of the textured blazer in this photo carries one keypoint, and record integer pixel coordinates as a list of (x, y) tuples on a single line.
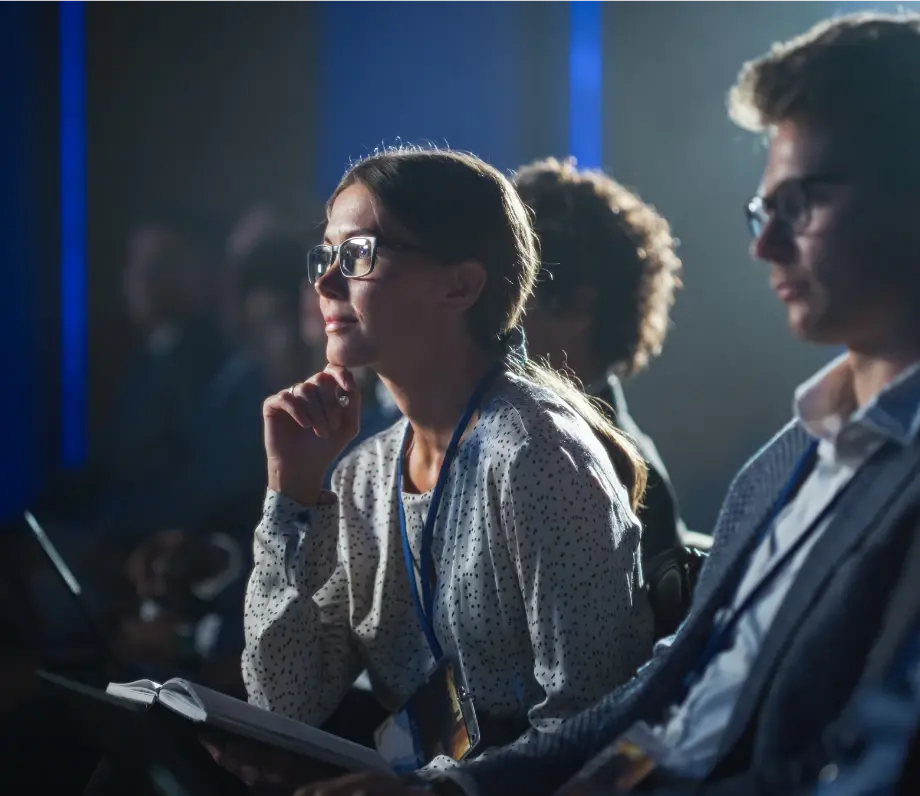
[(811, 658)]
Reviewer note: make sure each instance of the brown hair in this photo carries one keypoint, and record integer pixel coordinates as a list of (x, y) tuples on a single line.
[(460, 208), (593, 231), (858, 74)]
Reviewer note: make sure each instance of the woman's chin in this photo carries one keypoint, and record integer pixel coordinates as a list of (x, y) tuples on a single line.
[(347, 355)]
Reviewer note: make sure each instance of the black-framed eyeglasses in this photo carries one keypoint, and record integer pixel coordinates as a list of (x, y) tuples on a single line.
[(357, 256), (790, 203)]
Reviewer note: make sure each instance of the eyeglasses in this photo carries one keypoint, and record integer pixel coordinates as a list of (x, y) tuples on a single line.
[(357, 256), (790, 203)]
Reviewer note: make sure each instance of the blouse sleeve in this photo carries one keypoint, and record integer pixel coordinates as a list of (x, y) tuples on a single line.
[(576, 549), (300, 658)]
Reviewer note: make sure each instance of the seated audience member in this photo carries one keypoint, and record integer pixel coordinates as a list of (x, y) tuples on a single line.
[(600, 310), (182, 442), (815, 528), (601, 304), (487, 536), (196, 577), (270, 278)]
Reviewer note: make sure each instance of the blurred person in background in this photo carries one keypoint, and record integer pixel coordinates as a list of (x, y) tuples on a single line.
[(257, 222), (601, 312), (170, 570), (270, 277), (601, 306), (181, 443), (181, 460)]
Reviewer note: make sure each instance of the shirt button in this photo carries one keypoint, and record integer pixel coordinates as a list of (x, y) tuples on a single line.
[(829, 773)]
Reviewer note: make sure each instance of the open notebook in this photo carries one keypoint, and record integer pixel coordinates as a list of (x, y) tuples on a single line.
[(200, 704)]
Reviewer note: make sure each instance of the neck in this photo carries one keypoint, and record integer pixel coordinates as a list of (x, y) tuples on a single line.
[(433, 395), (872, 372), (588, 369)]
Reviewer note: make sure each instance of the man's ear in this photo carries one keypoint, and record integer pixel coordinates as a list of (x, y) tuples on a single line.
[(464, 283)]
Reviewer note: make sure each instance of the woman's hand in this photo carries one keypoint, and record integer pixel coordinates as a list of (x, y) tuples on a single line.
[(306, 427)]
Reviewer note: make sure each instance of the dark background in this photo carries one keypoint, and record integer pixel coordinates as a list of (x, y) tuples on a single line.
[(222, 105)]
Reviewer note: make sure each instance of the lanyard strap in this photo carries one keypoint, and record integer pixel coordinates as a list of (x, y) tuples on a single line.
[(720, 636), (424, 604)]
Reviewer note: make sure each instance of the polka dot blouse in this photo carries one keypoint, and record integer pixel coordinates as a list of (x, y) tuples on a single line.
[(538, 596)]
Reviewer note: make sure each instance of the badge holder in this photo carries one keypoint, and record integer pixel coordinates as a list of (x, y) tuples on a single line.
[(438, 719), (618, 769)]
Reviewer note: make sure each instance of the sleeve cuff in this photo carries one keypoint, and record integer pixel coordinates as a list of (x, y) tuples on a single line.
[(279, 508)]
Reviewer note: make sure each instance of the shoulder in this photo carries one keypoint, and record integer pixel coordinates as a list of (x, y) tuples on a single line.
[(371, 457), (773, 460), (531, 431), (759, 480), (521, 412)]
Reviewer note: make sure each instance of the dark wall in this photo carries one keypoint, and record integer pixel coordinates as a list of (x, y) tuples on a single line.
[(30, 407), (724, 383), (204, 105)]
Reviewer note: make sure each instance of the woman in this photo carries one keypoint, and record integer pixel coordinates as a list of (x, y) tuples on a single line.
[(526, 574)]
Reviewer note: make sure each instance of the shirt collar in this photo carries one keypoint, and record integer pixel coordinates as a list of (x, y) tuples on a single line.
[(826, 402)]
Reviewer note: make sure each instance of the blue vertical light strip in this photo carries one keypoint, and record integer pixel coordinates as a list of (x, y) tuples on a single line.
[(586, 63), (73, 232)]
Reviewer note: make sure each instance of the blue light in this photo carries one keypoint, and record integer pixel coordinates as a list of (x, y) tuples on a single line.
[(73, 232), (586, 82)]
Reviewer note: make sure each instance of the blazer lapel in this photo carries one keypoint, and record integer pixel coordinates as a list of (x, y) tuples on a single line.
[(874, 488), (745, 511), (747, 504)]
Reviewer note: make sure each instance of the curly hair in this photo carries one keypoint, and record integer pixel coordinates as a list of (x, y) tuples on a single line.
[(595, 232), (858, 74)]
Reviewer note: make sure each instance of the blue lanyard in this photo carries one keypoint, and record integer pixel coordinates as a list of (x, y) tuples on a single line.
[(720, 637), (424, 605)]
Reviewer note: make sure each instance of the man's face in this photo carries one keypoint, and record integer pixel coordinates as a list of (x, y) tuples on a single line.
[(840, 249)]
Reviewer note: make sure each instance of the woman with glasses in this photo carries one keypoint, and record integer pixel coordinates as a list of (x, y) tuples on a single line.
[(487, 532)]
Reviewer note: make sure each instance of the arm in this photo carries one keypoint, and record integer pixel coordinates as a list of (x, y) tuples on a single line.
[(575, 547), (300, 657)]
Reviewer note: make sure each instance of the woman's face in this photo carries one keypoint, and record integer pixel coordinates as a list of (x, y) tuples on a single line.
[(392, 313)]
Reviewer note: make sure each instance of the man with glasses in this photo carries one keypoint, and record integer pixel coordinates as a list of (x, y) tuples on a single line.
[(816, 527)]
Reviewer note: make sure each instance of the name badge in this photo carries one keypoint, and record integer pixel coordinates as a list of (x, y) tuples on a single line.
[(438, 719), (616, 769)]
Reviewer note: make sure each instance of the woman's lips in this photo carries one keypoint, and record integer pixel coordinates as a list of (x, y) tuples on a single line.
[(337, 324)]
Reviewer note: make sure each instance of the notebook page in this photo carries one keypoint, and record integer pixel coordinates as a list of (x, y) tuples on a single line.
[(202, 704)]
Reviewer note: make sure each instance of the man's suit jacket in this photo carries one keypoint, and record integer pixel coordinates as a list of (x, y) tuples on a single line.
[(811, 658), (842, 749)]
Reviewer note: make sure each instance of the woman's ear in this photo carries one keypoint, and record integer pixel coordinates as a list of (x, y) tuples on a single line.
[(464, 283)]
